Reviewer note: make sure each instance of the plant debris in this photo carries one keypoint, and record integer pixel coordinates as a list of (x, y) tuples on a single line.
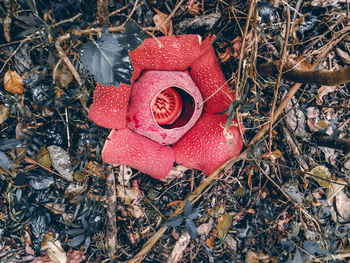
[(284, 198)]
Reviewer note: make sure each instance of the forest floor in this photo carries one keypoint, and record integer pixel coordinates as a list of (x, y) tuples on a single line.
[(285, 198)]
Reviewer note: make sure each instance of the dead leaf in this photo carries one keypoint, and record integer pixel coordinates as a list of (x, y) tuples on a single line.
[(339, 202), (61, 161), (304, 64), (26, 239), (322, 176), (4, 113), (42, 259), (13, 82), (344, 56), (75, 256), (253, 257), (323, 91), (127, 195), (73, 191), (63, 76), (231, 243), (224, 56), (194, 7), (43, 157), (224, 224), (136, 211), (54, 249), (159, 20), (7, 28), (276, 154), (236, 45)]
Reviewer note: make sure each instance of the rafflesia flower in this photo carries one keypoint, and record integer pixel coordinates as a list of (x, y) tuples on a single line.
[(171, 110)]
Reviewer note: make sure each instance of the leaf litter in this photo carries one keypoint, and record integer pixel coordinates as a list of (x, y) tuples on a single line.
[(269, 206)]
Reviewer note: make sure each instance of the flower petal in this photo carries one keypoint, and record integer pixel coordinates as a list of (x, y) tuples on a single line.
[(206, 73), (176, 53), (206, 146), (129, 148), (110, 104)]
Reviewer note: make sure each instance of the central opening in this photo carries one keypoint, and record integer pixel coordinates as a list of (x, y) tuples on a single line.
[(172, 108)]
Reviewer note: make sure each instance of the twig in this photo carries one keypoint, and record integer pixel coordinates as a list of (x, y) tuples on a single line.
[(278, 81), (241, 54), (111, 201)]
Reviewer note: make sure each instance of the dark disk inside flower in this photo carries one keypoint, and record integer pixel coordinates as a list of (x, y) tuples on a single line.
[(171, 111)]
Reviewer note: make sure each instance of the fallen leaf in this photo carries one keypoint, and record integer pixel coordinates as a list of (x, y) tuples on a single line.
[(338, 202), (13, 82), (7, 27), (276, 154), (254, 257), (231, 243), (224, 224), (304, 64), (54, 249), (127, 195), (75, 256), (194, 7), (136, 211), (43, 157), (323, 91), (63, 76), (4, 113), (61, 161), (344, 56), (159, 20), (321, 172), (28, 243)]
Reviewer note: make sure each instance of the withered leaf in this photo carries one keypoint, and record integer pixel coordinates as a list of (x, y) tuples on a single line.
[(13, 82), (159, 20)]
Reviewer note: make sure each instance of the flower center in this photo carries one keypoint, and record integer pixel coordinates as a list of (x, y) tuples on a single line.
[(167, 107)]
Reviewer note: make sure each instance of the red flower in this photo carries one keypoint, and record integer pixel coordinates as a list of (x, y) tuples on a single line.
[(160, 117)]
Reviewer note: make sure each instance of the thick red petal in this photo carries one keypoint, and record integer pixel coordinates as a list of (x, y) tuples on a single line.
[(206, 146), (206, 73), (129, 148), (110, 104), (176, 53)]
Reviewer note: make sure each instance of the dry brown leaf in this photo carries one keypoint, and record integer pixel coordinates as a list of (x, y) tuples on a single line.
[(42, 259), (127, 195), (13, 82), (43, 157), (253, 257), (136, 211), (304, 64), (159, 20), (7, 28), (224, 56), (323, 91), (276, 154), (4, 113), (54, 249), (63, 76), (224, 224), (75, 256), (194, 7), (28, 243), (344, 56)]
